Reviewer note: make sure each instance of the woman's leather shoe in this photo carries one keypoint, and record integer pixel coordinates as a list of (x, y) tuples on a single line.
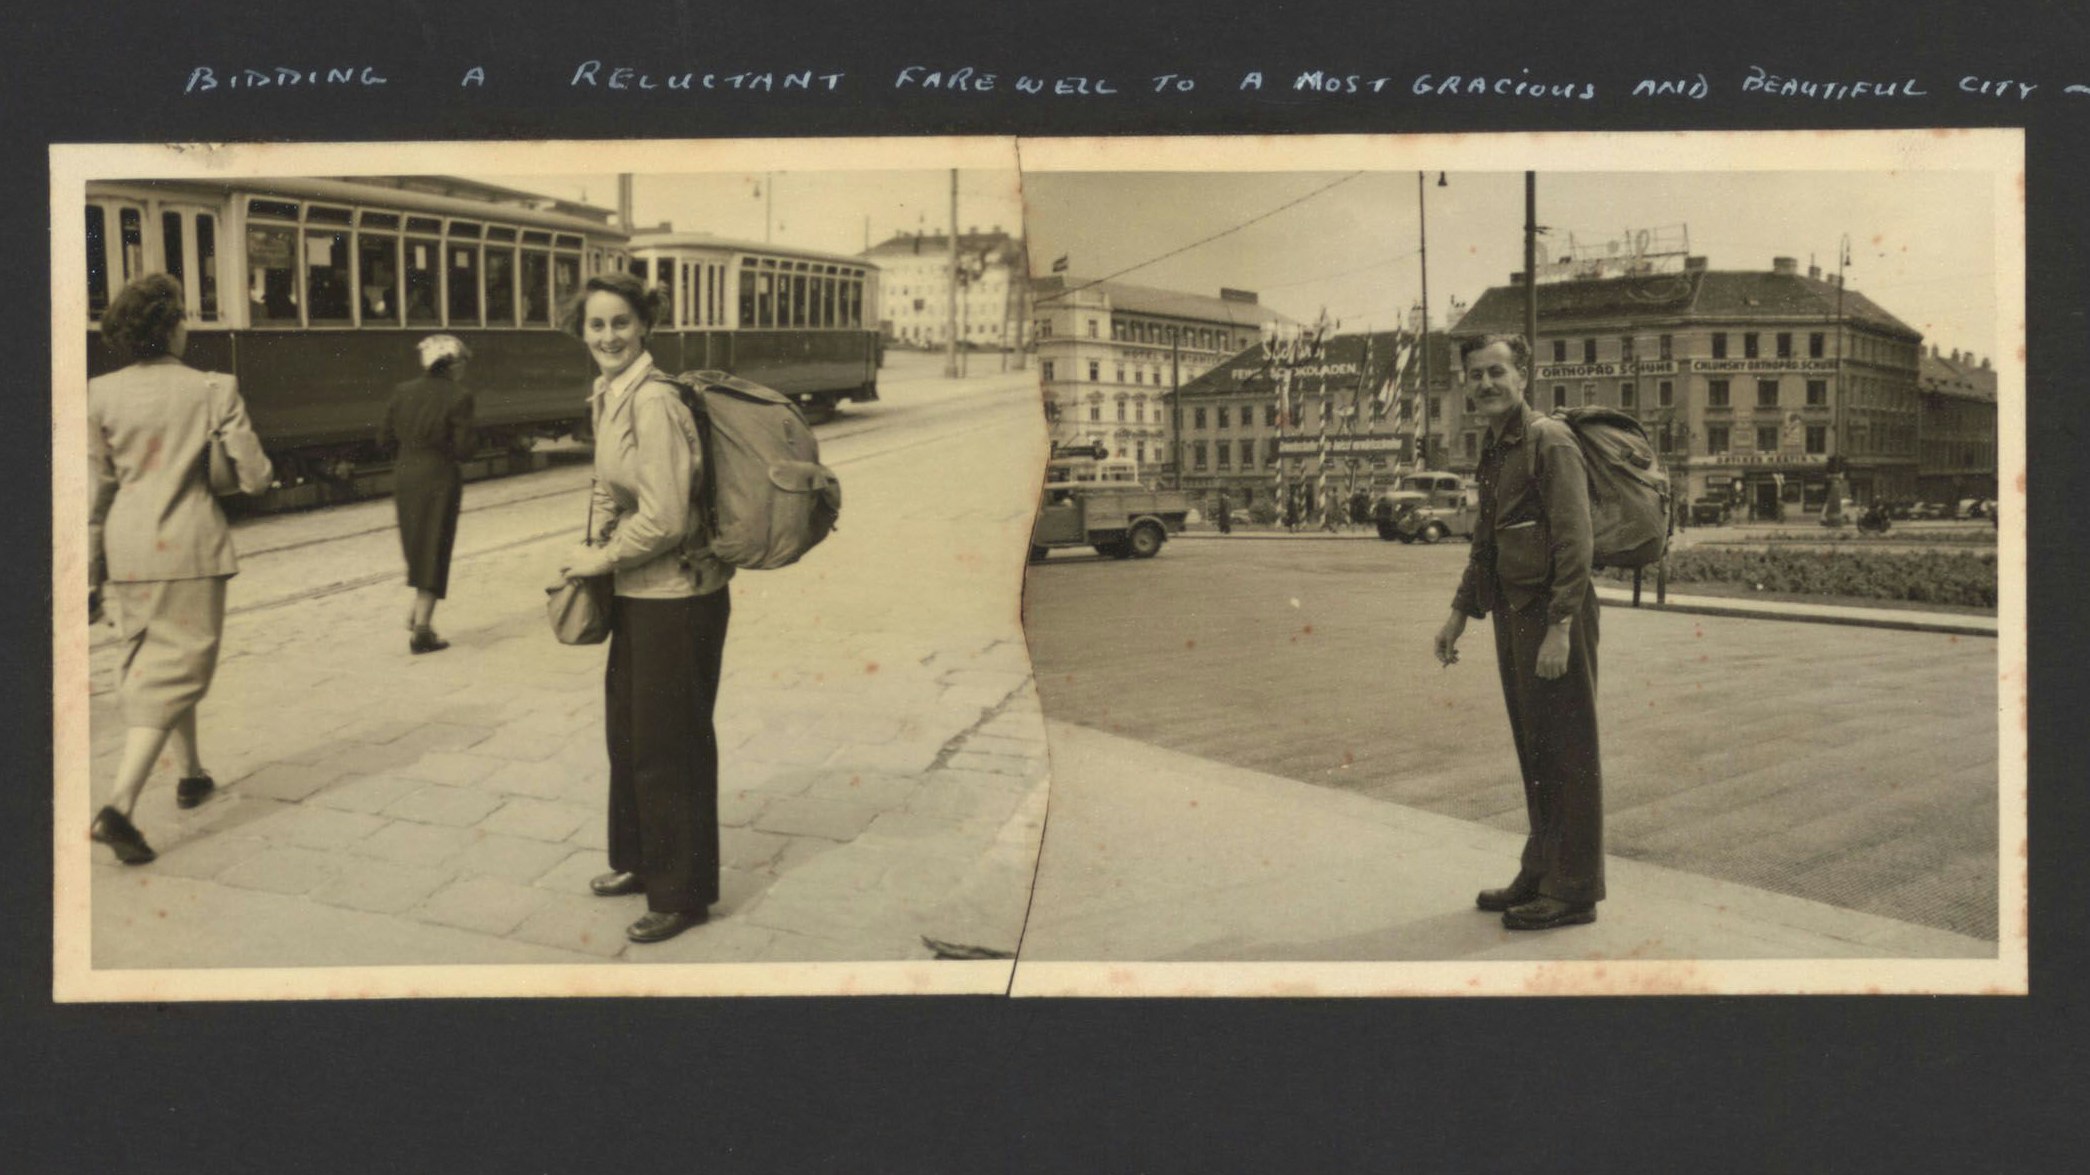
[(661, 925), (1516, 893), (194, 789), (1547, 913), (616, 885), (425, 641), (114, 829)]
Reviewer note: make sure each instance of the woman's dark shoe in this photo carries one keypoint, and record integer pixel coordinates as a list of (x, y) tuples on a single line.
[(425, 641), (661, 925), (115, 829), (1516, 893), (194, 789), (1548, 913), (616, 885)]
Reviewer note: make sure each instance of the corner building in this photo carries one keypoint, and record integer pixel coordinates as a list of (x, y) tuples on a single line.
[(915, 289), (1110, 354), (1754, 385)]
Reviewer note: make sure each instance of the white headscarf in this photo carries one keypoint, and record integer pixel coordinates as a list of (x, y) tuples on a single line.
[(437, 348)]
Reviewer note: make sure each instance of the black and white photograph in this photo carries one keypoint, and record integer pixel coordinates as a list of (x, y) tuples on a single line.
[(1352, 462), (462, 596)]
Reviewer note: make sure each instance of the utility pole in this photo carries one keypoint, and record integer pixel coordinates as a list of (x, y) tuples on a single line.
[(768, 206), (1833, 508), (950, 318), (1530, 278), (1422, 219)]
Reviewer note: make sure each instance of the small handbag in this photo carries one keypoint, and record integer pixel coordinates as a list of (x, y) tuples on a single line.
[(224, 478), (579, 609)]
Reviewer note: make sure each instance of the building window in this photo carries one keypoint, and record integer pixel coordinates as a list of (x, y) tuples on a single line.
[(1668, 347), (1226, 455), (1560, 350), (1094, 329), (1625, 348), (1121, 373), (1197, 418), (1817, 391), (1668, 439), (1749, 345), (1559, 396), (1095, 371), (1044, 327), (1247, 454), (1436, 407), (1589, 392), (1767, 439), (1096, 412), (1719, 344), (1814, 345), (1197, 454), (1226, 417), (1270, 452), (1665, 394), (1817, 438), (1046, 368), (1716, 393), (1471, 441), (1628, 395), (1270, 415), (1767, 393), (1784, 344), (1121, 412), (1716, 438), (1469, 405), (1589, 350), (1139, 375)]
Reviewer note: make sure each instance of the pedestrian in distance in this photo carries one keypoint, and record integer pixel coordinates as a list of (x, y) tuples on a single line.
[(1331, 511), (668, 617), (1226, 513), (158, 542), (1530, 568), (429, 423)]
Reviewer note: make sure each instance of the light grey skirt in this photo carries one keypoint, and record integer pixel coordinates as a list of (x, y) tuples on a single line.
[(170, 629)]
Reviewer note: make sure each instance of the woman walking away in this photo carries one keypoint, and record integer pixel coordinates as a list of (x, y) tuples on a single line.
[(429, 421), (667, 621), (157, 538)]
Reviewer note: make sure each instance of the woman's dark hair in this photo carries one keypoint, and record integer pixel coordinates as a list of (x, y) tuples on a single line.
[(650, 303), (141, 320)]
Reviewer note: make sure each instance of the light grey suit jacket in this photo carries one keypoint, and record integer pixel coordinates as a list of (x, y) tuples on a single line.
[(153, 516)]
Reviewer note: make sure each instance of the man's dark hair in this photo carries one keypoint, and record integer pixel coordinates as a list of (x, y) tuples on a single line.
[(1519, 350)]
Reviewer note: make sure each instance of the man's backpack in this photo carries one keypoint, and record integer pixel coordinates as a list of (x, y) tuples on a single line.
[(766, 496), (1629, 503)]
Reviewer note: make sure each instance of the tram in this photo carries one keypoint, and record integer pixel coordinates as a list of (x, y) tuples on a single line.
[(802, 322), (312, 293)]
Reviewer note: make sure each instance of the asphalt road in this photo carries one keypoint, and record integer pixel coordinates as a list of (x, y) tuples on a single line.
[(1850, 766)]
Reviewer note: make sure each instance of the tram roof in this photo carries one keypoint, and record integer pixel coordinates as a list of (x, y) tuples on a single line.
[(471, 198), (657, 240)]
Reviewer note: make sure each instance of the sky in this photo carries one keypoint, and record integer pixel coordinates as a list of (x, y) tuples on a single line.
[(826, 211), (1922, 243)]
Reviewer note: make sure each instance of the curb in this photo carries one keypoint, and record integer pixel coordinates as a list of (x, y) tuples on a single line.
[(1880, 618)]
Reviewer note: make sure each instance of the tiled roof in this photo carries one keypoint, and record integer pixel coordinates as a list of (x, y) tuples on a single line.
[(1964, 379), (1001, 244), (1136, 299), (1721, 295)]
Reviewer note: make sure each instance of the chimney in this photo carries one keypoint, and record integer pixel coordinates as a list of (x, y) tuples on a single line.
[(972, 230), (1517, 278), (1955, 356), (1984, 363), (1814, 273), (1785, 266)]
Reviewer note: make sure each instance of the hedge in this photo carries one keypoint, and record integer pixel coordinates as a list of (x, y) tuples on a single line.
[(1924, 577)]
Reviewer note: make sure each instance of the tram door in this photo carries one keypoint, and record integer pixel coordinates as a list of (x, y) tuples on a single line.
[(189, 252)]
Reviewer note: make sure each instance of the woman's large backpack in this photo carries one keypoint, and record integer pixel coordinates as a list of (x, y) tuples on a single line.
[(766, 496), (1629, 503)]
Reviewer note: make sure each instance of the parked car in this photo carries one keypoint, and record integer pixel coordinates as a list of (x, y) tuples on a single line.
[(1426, 507), (1711, 512), (1924, 511)]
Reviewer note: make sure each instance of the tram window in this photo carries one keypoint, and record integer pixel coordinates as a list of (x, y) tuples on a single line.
[(272, 286), (424, 224), (497, 233), (272, 209), (97, 262), (566, 277), (388, 220), (327, 215), (747, 298), (798, 301), (828, 301), (464, 229), (133, 243), (377, 260), (422, 283), (765, 299), (500, 286), (464, 284), (207, 266), (536, 288), (682, 304), (662, 267), (170, 244), (567, 242), (326, 275), (856, 304)]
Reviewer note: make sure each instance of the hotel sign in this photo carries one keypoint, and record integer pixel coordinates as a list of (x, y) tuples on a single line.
[(1366, 445)]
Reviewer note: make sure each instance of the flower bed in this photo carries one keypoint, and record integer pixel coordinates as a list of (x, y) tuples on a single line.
[(1923, 577)]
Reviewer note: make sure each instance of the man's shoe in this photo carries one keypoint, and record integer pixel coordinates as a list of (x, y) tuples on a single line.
[(194, 789), (616, 885), (1547, 913), (661, 925), (114, 829), (1516, 893)]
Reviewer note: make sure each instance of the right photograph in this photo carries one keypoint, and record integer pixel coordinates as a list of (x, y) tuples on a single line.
[(1530, 571)]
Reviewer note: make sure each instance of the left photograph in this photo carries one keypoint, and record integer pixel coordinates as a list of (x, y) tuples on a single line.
[(542, 573)]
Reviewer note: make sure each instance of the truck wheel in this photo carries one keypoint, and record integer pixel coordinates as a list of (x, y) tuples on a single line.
[(1145, 542), (1037, 554), (1432, 532), (1388, 531)]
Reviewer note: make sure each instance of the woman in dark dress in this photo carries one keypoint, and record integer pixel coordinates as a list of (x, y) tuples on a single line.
[(430, 421)]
